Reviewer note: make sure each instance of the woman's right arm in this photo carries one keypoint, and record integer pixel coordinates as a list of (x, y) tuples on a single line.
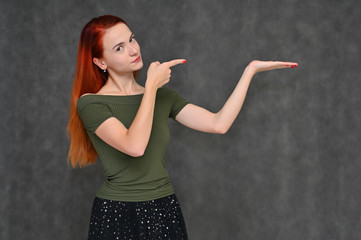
[(134, 141)]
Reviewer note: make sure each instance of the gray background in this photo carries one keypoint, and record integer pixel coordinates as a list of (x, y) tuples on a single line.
[(289, 168)]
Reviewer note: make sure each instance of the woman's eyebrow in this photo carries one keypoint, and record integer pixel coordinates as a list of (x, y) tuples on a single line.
[(131, 34)]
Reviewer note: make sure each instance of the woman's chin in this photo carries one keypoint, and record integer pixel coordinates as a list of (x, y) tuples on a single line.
[(140, 66)]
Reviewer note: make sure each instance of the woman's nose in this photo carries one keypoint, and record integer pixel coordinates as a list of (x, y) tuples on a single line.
[(132, 50)]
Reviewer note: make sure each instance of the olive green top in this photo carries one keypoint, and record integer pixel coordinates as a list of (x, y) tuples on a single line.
[(132, 178)]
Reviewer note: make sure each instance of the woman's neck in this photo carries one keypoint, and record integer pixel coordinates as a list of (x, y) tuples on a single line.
[(124, 85)]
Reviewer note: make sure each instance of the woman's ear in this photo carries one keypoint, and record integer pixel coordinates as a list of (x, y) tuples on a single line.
[(99, 63)]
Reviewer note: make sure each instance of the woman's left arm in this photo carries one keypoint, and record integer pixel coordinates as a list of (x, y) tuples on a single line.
[(201, 119)]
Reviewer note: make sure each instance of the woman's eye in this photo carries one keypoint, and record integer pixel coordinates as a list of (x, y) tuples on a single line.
[(132, 39), (119, 48)]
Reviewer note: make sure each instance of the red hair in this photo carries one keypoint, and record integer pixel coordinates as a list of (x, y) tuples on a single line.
[(89, 78)]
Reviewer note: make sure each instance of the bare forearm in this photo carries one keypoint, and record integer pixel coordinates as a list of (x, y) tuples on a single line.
[(226, 116), (201, 119), (140, 130)]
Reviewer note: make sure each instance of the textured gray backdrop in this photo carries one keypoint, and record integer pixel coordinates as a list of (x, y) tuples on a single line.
[(289, 168)]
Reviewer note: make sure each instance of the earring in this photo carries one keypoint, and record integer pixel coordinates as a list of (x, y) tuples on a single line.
[(105, 70)]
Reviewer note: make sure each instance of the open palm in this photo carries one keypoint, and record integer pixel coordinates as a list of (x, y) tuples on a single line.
[(262, 66)]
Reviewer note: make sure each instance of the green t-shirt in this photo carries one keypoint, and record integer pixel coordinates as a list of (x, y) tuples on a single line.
[(132, 178)]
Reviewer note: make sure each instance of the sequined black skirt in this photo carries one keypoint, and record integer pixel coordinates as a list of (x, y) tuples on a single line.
[(156, 219)]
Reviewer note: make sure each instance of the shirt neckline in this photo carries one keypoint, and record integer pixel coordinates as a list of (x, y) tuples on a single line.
[(117, 99), (106, 95)]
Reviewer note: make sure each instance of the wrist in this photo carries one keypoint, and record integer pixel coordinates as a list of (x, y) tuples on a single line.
[(149, 87), (250, 69)]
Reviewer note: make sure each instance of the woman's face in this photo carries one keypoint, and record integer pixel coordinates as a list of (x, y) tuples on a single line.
[(121, 52)]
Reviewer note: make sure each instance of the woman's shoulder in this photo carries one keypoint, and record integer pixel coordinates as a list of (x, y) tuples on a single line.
[(169, 93), (86, 94), (86, 99), (165, 91)]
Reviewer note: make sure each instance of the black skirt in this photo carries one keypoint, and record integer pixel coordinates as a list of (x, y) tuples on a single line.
[(155, 219)]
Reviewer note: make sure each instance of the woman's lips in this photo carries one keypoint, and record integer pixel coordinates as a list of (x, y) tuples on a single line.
[(136, 60)]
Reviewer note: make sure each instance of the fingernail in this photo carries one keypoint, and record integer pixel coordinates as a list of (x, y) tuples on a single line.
[(184, 61), (292, 67), (286, 65)]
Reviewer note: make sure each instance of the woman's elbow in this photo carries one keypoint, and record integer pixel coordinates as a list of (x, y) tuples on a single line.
[(221, 129), (137, 152), (133, 152)]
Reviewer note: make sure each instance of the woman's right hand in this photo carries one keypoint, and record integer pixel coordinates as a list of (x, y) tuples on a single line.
[(159, 73)]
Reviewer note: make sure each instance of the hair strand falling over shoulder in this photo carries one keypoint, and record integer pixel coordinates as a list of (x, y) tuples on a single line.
[(88, 79)]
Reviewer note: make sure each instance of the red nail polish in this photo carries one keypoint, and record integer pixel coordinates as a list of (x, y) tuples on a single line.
[(184, 61), (286, 65), (292, 67)]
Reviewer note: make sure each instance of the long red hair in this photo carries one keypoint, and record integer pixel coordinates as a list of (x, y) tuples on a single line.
[(89, 78)]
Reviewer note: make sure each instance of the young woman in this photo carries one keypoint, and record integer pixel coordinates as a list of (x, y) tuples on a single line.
[(125, 124)]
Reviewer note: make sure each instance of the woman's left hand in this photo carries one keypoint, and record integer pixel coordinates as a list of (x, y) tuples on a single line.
[(262, 66)]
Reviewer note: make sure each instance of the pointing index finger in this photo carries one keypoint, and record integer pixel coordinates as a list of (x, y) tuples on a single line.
[(175, 62)]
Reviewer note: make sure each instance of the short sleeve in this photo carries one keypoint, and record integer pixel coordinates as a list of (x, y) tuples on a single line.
[(93, 114), (178, 103)]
